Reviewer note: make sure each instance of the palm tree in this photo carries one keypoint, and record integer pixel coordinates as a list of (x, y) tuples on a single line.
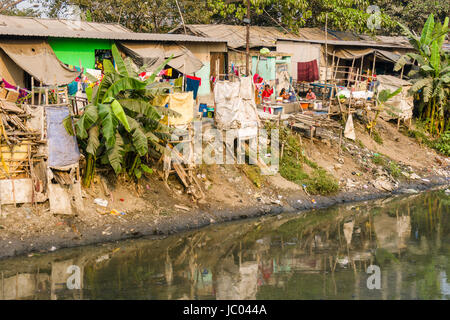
[(431, 79)]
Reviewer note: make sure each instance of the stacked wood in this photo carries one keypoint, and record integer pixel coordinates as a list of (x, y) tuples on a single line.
[(18, 143), (313, 120)]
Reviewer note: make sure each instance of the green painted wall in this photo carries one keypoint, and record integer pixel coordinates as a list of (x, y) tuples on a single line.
[(267, 66), (204, 73), (71, 51)]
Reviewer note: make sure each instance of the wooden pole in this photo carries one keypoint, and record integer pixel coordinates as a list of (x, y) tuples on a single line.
[(247, 41), (181, 15), (326, 59), (362, 63), (374, 60), (326, 47)]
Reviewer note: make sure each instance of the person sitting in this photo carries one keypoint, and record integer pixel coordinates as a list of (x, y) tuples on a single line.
[(285, 95), (311, 95), (268, 91)]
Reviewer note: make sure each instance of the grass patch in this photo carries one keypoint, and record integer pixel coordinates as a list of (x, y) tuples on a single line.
[(321, 182), (292, 170), (376, 137), (360, 143), (441, 144), (253, 173), (378, 160), (294, 160), (394, 170)]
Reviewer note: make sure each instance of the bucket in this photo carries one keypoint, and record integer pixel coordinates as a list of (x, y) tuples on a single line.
[(210, 112), (277, 110), (304, 105), (203, 108)]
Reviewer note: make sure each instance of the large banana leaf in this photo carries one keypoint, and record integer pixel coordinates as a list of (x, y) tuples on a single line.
[(109, 124), (158, 70), (93, 141), (120, 114), (107, 81), (87, 119), (435, 59), (108, 66), (413, 39), (140, 106), (123, 84), (443, 33), (124, 70), (139, 138), (427, 31), (386, 94), (115, 154)]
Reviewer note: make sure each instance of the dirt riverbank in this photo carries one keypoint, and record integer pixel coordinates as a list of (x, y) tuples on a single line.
[(152, 208)]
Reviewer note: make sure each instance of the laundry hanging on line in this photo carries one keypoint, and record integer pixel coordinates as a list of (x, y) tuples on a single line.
[(192, 84), (308, 71)]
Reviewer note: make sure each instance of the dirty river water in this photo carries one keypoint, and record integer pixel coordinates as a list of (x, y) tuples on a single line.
[(319, 254)]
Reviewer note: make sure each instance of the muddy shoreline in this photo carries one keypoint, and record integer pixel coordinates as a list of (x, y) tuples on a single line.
[(197, 219)]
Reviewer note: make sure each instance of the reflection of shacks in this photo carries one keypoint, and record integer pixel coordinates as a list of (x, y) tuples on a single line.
[(24, 285), (240, 285), (392, 233)]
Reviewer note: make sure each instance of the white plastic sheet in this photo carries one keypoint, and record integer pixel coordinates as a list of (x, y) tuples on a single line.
[(235, 104)]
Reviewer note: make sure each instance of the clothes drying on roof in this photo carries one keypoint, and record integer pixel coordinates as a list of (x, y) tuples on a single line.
[(308, 71)]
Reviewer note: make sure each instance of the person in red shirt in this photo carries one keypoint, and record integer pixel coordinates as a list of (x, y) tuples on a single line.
[(310, 95), (268, 91)]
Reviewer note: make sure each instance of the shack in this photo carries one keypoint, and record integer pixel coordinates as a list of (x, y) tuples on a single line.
[(345, 57), (82, 44)]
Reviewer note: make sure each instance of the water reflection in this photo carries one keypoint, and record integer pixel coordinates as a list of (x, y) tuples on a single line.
[(316, 255)]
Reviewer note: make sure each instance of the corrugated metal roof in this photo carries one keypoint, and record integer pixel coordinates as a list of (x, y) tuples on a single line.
[(371, 44), (259, 36), (268, 36), (58, 28)]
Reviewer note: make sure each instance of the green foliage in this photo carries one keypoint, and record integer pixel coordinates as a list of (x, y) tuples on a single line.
[(253, 173), (321, 182), (292, 170), (431, 80), (376, 137), (293, 161), (413, 13), (294, 14), (378, 159), (394, 170), (442, 144), (120, 124)]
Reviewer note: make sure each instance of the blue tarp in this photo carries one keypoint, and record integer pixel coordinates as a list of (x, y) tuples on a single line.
[(62, 147)]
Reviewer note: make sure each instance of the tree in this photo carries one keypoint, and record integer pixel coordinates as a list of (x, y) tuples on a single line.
[(431, 79), (120, 123), (293, 14), (137, 15), (413, 13), (9, 7)]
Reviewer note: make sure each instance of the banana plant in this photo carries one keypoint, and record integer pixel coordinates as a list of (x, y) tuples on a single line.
[(431, 78), (120, 123), (382, 97)]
